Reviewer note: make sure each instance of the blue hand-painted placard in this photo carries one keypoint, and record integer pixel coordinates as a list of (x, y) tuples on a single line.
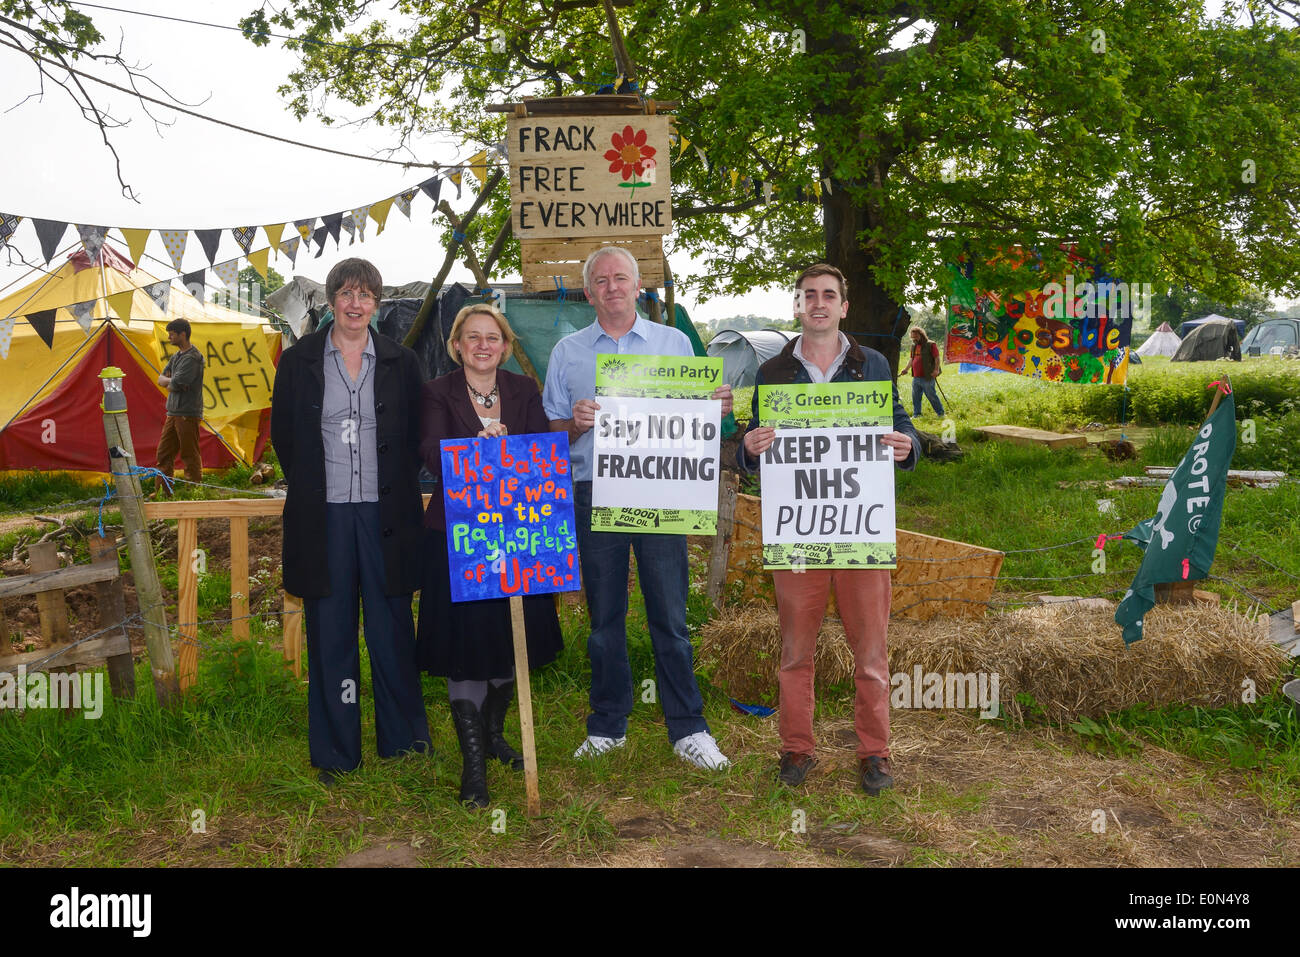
[(510, 524)]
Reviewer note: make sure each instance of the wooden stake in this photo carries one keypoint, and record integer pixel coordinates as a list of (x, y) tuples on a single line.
[(112, 609), (525, 705), (291, 622), (721, 548), (117, 433), (239, 577), (52, 606), (187, 600)]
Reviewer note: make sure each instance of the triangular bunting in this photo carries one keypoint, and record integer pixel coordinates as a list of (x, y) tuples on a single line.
[(161, 294), (349, 225), (244, 236), (735, 175), (50, 233), (332, 223), (120, 303), (194, 283), (817, 188), (290, 248), (92, 237), (319, 238), (304, 227), (432, 187), (403, 201), (685, 143), (456, 177), (258, 260), (359, 216), (6, 336), (379, 213), (84, 313), (174, 242), (703, 159), (210, 239), (767, 191), (273, 233), (7, 226), (227, 272), (136, 240), (43, 323), (478, 166), (827, 184), (501, 149)]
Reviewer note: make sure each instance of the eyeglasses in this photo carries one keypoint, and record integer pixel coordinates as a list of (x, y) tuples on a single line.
[(363, 298)]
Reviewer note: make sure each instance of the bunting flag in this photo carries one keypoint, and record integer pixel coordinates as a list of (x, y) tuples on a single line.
[(273, 233), (827, 184), (174, 242), (84, 313), (735, 175), (359, 216), (478, 166), (332, 223), (379, 213), (210, 239), (195, 283), (290, 248), (319, 238), (817, 188), (136, 240), (244, 236), (350, 226), (161, 294), (432, 187), (92, 237), (455, 177), (304, 227), (703, 159), (43, 323), (227, 272), (50, 233), (403, 201), (6, 335), (120, 303), (685, 143), (259, 260), (7, 226), (501, 150), (767, 191)]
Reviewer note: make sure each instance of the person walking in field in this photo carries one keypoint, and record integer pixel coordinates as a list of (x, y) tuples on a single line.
[(925, 368)]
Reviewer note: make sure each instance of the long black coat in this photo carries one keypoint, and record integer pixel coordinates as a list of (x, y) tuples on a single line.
[(296, 402)]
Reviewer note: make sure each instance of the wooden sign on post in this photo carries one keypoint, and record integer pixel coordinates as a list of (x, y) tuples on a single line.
[(590, 179)]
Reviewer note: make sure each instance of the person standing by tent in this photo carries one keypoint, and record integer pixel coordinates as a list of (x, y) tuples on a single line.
[(182, 377), (925, 369), (822, 353), (345, 422), (611, 280)]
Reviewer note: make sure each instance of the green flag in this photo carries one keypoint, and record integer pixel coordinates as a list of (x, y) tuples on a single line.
[(1180, 540)]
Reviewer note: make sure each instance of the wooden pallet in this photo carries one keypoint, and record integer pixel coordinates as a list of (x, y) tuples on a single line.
[(543, 260), (1022, 436)]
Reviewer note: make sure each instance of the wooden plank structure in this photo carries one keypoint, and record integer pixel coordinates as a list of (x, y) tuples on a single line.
[(1019, 435), (935, 576), (543, 262), (49, 582)]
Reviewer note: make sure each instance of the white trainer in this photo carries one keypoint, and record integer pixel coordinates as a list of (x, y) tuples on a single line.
[(595, 745), (702, 751)]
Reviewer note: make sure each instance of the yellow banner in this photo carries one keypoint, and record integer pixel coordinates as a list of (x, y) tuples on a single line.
[(237, 367)]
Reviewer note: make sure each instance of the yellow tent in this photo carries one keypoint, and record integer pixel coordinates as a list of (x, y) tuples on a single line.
[(50, 361)]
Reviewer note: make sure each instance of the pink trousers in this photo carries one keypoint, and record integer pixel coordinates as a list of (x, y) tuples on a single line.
[(863, 599)]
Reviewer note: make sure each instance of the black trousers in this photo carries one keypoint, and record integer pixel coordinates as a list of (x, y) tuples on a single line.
[(356, 570)]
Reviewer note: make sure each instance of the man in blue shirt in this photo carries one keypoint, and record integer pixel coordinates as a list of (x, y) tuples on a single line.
[(612, 280)]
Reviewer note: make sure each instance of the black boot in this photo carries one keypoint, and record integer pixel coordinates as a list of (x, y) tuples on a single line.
[(473, 774), (494, 721)]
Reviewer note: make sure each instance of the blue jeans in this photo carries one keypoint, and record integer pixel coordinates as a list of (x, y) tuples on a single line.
[(927, 387), (662, 570)]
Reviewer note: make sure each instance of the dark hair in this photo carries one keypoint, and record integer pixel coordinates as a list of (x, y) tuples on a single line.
[(354, 272), (179, 325), (824, 269)]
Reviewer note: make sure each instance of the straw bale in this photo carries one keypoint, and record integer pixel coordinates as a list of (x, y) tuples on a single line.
[(1070, 660)]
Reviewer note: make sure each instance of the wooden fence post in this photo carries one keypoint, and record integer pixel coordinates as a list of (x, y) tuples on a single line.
[(121, 455), (112, 609), (721, 547)]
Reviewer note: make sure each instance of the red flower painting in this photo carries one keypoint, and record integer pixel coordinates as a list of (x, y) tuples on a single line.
[(630, 155)]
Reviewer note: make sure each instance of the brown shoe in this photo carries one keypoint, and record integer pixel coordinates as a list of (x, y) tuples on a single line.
[(875, 774), (795, 767)]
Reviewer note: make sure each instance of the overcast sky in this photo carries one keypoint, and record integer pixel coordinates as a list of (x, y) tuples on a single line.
[(195, 174)]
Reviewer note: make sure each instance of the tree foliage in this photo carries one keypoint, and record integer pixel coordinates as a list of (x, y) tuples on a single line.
[(1157, 139)]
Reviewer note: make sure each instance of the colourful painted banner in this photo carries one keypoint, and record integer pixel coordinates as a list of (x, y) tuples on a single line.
[(657, 445), (828, 478), (1075, 328), (510, 524)]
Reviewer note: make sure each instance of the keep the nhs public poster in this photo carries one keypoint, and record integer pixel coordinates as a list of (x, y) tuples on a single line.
[(510, 524)]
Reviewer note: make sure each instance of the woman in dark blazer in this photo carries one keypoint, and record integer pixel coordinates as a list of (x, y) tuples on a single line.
[(470, 642)]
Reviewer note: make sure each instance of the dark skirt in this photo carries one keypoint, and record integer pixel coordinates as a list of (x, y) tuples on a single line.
[(472, 640)]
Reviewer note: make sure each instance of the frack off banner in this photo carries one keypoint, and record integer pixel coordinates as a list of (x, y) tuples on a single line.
[(657, 442), (509, 507), (828, 478)]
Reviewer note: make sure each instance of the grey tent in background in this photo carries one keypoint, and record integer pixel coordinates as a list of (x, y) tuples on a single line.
[(1163, 342), (742, 352), (1214, 339)]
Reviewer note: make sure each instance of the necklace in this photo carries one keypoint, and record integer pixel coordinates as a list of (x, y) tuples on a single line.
[(487, 401)]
